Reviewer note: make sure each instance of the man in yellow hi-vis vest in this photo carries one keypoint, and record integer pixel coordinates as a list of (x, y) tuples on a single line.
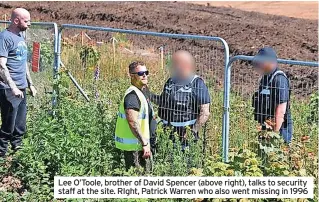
[(134, 121)]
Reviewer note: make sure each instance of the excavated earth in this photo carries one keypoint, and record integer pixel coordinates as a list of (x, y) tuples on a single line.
[(245, 32)]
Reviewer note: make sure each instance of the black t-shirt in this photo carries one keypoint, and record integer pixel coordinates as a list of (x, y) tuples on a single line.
[(131, 101), (280, 91)]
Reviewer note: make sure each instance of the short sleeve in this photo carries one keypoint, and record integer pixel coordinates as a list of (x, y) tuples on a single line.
[(282, 89), (4, 46), (201, 92), (131, 101)]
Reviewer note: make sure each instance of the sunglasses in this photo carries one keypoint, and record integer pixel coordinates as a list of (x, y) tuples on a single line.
[(141, 73)]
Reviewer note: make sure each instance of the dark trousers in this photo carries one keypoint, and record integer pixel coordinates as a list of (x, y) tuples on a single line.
[(13, 117), (286, 131), (135, 159)]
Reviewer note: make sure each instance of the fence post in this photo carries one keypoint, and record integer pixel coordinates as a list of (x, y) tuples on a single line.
[(227, 87), (184, 36), (225, 124), (56, 47), (56, 70)]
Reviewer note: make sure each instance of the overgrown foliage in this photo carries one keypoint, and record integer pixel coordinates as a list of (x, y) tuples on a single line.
[(78, 141)]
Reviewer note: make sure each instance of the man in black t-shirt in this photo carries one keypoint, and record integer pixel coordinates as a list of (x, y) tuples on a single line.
[(135, 121), (185, 99), (272, 100), (131, 101)]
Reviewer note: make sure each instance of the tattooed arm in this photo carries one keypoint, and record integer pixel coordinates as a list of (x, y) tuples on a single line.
[(203, 117), (132, 116), (132, 119), (4, 73), (6, 78)]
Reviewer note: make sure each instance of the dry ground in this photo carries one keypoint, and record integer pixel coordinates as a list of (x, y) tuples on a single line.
[(300, 9)]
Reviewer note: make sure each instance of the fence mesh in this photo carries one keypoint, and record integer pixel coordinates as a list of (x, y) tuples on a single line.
[(43, 78), (99, 62), (245, 82)]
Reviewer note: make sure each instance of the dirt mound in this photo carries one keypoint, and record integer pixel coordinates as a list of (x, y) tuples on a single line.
[(244, 31)]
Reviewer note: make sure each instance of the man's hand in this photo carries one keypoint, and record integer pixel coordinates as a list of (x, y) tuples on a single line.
[(33, 91), (17, 93), (202, 118), (146, 151)]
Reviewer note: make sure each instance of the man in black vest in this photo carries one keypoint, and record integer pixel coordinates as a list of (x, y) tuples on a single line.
[(185, 98), (272, 100)]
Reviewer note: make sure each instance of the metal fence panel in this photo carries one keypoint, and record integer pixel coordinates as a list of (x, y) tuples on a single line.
[(98, 58), (46, 34), (239, 123)]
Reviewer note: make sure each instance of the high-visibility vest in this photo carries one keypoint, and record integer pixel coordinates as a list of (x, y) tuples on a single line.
[(124, 138)]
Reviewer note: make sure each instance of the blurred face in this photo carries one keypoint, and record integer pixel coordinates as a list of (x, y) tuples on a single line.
[(139, 76), (182, 67), (264, 67), (23, 21)]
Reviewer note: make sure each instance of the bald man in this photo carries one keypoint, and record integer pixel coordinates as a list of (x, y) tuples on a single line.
[(14, 80), (185, 98)]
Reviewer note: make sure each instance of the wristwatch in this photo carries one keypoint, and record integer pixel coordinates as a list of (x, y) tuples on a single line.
[(144, 145)]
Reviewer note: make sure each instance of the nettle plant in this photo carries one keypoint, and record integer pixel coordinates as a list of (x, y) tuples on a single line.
[(90, 56), (171, 160)]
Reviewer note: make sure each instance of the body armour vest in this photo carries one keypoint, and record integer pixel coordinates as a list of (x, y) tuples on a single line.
[(179, 108), (265, 100)]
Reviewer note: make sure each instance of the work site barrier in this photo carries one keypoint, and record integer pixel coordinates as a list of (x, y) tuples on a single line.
[(44, 35), (97, 59), (240, 119)]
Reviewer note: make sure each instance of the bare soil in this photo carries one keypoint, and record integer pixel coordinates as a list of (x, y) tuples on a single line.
[(297, 9), (245, 32)]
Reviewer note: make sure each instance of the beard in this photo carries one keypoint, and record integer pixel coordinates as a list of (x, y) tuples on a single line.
[(22, 29)]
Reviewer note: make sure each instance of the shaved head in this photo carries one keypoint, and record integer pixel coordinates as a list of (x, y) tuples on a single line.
[(20, 19), (18, 13), (183, 63)]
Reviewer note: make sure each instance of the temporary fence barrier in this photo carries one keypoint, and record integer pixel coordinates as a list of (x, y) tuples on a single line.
[(98, 58), (239, 123), (44, 33)]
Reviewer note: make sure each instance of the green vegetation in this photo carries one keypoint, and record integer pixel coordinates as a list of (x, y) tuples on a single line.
[(79, 140)]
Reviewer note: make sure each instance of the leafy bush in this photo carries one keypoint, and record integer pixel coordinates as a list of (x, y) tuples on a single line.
[(79, 139), (79, 142), (314, 104)]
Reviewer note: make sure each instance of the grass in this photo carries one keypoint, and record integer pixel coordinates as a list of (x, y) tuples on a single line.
[(79, 140)]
